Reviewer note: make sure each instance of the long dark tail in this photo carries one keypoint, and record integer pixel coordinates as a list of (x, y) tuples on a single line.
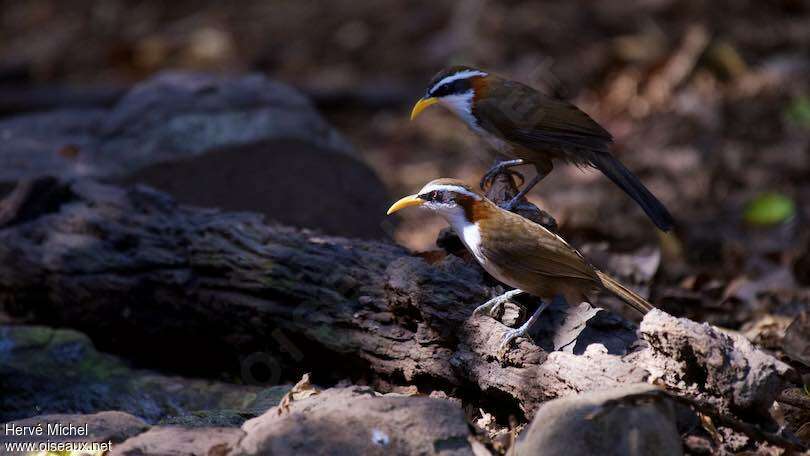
[(628, 182), (625, 294)]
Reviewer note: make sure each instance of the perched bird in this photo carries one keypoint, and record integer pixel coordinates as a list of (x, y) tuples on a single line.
[(532, 128), (516, 251)]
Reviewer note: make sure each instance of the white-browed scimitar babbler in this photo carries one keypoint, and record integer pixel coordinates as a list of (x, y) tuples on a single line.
[(531, 128), (516, 251)]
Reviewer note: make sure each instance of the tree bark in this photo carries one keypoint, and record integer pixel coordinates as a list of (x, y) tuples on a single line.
[(198, 290), (204, 291)]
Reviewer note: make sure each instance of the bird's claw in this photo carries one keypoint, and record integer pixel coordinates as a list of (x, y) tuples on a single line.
[(495, 303), (507, 339), (486, 179), (511, 204), (491, 307), (490, 176)]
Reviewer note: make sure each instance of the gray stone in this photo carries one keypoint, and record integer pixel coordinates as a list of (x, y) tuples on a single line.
[(243, 143), (635, 419), (355, 420), (179, 441), (102, 427), (47, 371)]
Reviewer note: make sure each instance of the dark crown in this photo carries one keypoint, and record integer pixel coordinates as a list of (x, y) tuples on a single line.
[(450, 190), (454, 87)]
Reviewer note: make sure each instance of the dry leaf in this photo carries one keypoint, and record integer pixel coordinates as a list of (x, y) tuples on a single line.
[(302, 390), (708, 425), (797, 339)]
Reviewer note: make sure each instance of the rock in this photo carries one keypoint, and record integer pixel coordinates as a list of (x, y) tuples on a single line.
[(355, 420), (350, 420), (44, 370), (255, 405), (207, 418), (178, 441), (32, 144), (631, 419), (245, 143), (724, 369), (102, 427)]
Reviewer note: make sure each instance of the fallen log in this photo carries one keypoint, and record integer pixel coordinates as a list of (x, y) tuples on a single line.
[(198, 290), (203, 291)]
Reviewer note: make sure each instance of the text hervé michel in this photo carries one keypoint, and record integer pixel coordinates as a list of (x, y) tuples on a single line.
[(48, 429)]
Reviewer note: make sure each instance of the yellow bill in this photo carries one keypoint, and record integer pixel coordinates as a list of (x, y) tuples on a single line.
[(421, 105), (408, 201)]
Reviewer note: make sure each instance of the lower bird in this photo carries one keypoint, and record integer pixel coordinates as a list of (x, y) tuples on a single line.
[(516, 251), (532, 128)]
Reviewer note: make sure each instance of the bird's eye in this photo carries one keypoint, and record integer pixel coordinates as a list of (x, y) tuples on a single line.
[(434, 195)]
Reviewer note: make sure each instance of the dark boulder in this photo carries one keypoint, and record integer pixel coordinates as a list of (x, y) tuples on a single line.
[(244, 143)]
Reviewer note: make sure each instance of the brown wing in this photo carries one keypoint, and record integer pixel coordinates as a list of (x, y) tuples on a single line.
[(520, 114), (531, 251)]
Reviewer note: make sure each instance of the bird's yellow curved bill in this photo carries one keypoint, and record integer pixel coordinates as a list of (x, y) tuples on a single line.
[(408, 201), (421, 105)]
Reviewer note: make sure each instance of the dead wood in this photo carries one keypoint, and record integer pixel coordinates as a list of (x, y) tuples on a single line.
[(202, 290)]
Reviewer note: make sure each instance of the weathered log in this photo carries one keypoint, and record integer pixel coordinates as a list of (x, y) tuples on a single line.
[(202, 290)]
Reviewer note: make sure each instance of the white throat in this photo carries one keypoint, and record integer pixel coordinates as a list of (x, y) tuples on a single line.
[(461, 105), (468, 232)]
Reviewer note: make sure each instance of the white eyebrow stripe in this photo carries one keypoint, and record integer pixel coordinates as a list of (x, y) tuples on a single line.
[(452, 188), (456, 76)]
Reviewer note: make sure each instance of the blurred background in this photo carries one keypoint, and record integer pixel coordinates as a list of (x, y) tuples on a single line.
[(708, 102)]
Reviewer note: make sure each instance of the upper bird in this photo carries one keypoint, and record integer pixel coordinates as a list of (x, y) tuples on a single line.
[(532, 128)]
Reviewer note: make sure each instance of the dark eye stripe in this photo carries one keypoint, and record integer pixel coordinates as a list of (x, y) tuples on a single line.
[(439, 196), (451, 88)]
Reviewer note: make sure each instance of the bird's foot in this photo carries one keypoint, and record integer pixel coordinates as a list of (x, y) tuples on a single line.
[(513, 334), (502, 167), (509, 336), (511, 204), (490, 176), (491, 307), (515, 201)]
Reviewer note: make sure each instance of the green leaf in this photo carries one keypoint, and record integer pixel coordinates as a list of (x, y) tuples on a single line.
[(799, 111), (769, 209)]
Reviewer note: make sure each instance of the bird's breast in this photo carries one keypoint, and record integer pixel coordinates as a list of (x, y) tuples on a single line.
[(470, 235), (495, 142)]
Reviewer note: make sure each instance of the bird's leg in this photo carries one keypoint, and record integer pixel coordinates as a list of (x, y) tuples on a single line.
[(513, 334), (543, 168), (498, 168), (516, 199), (492, 305)]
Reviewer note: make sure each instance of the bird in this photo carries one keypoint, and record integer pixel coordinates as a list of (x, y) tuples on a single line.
[(532, 128), (516, 251)]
